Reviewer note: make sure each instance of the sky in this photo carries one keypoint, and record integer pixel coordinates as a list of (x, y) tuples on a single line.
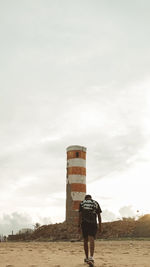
[(73, 73)]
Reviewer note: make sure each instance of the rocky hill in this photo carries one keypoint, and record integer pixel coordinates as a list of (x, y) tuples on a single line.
[(127, 227)]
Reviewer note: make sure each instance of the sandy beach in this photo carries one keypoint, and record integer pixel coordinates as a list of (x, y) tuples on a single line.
[(66, 254)]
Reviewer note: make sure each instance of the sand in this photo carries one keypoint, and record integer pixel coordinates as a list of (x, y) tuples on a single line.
[(70, 254)]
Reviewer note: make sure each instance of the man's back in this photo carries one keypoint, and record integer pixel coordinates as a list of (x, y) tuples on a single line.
[(89, 209)]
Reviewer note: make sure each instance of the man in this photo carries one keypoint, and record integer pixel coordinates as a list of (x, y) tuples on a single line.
[(89, 210)]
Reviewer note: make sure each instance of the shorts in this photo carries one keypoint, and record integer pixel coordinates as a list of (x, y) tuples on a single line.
[(89, 229)]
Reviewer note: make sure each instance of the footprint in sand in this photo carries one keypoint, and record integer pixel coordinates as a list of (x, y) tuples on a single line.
[(10, 266)]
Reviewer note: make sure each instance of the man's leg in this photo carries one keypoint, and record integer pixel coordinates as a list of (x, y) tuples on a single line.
[(86, 247), (92, 245)]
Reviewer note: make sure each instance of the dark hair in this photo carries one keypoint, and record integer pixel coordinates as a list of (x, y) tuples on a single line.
[(88, 196)]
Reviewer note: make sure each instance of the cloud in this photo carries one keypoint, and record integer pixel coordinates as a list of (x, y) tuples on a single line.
[(127, 211), (73, 74), (108, 216), (16, 221), (35, 165)]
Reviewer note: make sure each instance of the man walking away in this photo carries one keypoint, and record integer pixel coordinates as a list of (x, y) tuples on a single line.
[(89, 210)]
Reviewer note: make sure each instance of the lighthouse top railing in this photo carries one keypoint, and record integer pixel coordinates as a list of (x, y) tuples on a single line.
[(75, 147)]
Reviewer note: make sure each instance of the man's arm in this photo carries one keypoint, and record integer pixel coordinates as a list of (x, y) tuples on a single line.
[(100, 222)]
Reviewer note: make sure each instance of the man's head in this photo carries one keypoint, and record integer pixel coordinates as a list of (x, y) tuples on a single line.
[(88, 197)]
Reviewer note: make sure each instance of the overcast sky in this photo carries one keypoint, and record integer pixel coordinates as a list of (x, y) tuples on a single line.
[(73, 73)]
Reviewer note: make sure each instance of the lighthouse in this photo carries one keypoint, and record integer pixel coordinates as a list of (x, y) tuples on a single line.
[(75, 182)]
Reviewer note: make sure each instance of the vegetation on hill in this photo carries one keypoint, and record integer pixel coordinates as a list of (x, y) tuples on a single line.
[(127, 227)]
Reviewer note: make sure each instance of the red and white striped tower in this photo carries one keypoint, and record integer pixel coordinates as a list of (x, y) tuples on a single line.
[(76, 181)]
